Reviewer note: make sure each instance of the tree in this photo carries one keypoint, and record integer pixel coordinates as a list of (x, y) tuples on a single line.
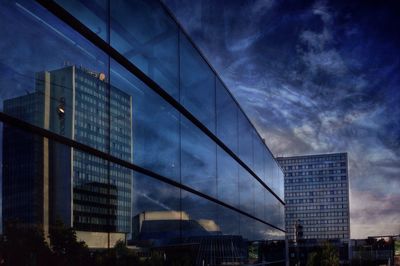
[(24, 245), (66, 247), (312, 259), (329, 255), (326, 256), (121, 250)]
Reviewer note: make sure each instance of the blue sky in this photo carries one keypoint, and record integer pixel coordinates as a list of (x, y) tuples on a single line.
[(315, 77)]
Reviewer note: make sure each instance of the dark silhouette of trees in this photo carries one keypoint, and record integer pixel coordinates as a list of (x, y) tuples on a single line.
[(24, 245), (327, 255), (66, 248)]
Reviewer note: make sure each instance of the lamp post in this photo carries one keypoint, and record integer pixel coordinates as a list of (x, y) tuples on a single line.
[(298, 230)]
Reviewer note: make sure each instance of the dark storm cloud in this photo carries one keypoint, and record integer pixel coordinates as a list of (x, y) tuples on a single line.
[(315, 76)]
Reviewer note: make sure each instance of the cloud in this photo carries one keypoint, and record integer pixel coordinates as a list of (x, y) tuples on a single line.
[(244, 43), (374, 215), (319, 78), (261, 6)]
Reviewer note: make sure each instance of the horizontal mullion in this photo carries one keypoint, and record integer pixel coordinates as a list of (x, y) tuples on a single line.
[(65, 16), (18, 123)]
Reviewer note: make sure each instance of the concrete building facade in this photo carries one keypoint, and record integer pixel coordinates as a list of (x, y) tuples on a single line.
[(317, 196)]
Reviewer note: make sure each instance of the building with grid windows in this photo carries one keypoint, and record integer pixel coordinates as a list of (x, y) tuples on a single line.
[(317, 196), (52, 181)]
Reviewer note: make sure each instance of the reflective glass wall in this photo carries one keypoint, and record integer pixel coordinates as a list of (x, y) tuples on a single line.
[(134, 137)]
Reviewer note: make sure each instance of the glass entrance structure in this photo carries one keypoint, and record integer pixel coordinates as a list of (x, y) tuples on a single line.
[(114, 123)]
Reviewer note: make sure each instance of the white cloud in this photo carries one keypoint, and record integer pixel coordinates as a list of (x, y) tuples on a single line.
[(317, 55), (272, 234), (328, 60), (243, 43), (374, 214)]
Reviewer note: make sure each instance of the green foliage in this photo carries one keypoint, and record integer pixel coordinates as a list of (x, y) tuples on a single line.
[(326, 256), (24, 245), (121, 249), (397, 247), (65, 246), (312, 259), (329, 255), (156, 259), (122, 256)]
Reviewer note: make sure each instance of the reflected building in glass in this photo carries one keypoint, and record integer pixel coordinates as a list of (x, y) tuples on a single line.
[(317, 196), (44, 181), (168, 141)]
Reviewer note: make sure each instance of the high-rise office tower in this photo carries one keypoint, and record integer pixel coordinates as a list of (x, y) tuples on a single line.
[(317, 196), (44, 181)]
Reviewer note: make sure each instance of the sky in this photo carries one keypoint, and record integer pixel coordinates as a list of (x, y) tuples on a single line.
[(315, 77)]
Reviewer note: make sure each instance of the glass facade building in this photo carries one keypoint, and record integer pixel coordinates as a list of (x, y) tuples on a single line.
[(82, 191), (317, 196), (121, 128)]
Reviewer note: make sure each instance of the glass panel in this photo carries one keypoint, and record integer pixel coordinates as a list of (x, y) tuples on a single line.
[(155, 125), (268, 169), (227, 179), (245, 140), (273, 250), (281, 216), (202, 216), (260, 231), (121, 194), (270, 244), (226, 113), (23, 177), (197, 84), (275, 179), (218, 243), (273, 176), (228, 221), (148, 37), (156, 212), (93, 208), (120, 124), (247, 229), (259, 203), (231, 243), (258, 147), (57, 81), (50, 186), (198, 159), (264, 158), (272, 210), (281, 184), (267, 245), (246, 191), (62, 82), (93, 14), (101, 196)]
